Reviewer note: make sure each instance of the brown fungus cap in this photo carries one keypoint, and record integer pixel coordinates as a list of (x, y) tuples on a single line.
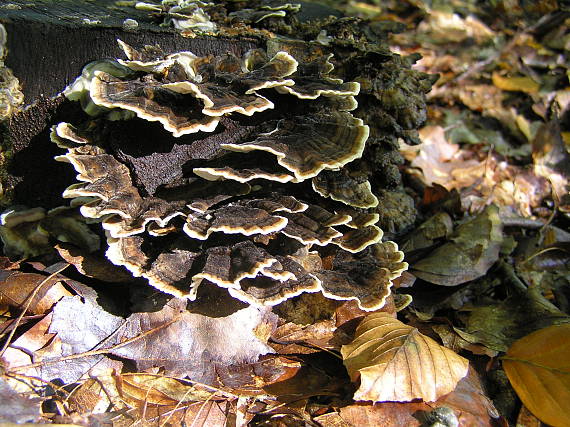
[(109, 182), (344, 188), (309, 144), (224, 92), (365, 277), (233, 220), (151, 101), (242, 175), (215, 196)]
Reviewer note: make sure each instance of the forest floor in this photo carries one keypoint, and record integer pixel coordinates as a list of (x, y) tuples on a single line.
[(478, 330)]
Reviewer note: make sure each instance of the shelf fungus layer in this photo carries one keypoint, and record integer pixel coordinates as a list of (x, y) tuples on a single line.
[(230, 172)]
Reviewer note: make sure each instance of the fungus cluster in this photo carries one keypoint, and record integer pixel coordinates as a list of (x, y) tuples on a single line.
[(11, 97), (228, 171)]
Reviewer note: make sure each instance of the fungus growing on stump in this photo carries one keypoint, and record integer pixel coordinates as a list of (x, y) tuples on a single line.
[(232, 174)]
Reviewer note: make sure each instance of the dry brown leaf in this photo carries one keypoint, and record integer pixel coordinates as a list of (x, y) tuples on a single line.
[(91, 397), (552, 161), (445, 27), (396, 362), (481, 182), (140, 389), (456, 339), (16, 287), (81, 326), (538, 367), (291, 338), (17, 408), (250, 379), (92, 265), (26, 348), (307, 381), (467, 403), (526, 419), (159, 400)]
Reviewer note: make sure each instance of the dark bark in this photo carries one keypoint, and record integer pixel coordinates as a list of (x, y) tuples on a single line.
[(49, 42)]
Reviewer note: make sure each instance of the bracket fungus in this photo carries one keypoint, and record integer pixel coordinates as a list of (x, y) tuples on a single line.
[(11, 96), (232, 174)]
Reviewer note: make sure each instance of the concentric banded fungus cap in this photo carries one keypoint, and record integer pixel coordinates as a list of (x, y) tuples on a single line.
[(307, 145), (344, 188), (365, 277), (214, 86), (230, 209)]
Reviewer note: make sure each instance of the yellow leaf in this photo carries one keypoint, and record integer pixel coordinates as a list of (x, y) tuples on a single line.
[(397, 363), (538, 367), (520, 84)]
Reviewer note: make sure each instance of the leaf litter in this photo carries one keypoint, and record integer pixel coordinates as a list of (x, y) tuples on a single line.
[(488, 250)]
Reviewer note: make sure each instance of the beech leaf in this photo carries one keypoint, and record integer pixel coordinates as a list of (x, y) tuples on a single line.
[(538, 367), (397, 363)]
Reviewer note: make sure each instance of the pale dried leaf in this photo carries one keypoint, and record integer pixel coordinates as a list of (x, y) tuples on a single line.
[(191, 344), (81, 326), (396, 362), (481, 182), (552, 161), (143, 389), (30, 345), (16, 408)]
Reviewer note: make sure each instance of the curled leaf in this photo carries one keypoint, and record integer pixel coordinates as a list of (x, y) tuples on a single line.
[(538, 367), (397, 363)]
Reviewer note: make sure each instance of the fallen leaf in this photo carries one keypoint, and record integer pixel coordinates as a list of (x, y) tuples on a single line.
[(445, 27), (16, 287), (498, 324), (140, 389), (16, 408), (192, 344), (435, 227), (91, 397), (472, 250), (307, 381), (526, 419), (458, 340), (291, 338), (250, 379), (467, 404), (538, 367), (552, 161), (519, 83), (480, 181), (396, 362), (80, 326), (387, 414), (25, 349)]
